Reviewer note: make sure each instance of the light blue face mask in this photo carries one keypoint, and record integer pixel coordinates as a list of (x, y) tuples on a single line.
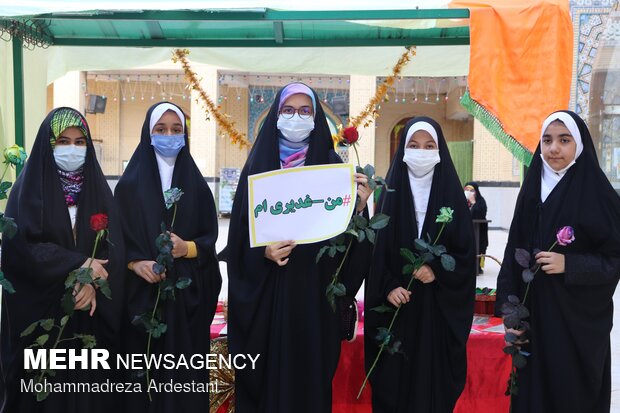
[(69, 157), (168, 146)]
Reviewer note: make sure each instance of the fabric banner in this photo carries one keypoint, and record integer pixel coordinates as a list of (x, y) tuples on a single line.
[(520, 67), (306, 204)]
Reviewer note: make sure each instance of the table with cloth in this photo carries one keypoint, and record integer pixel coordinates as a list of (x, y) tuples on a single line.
[(487, 369)]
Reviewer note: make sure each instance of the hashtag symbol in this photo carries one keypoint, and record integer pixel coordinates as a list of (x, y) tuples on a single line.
[(346, 200)]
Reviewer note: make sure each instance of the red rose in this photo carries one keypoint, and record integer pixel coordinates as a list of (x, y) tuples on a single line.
[(350, 135), (99, 222)]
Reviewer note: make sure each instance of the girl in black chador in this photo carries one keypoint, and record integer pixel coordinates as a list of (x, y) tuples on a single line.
[(434, 322), (53, 199), (570, 298), (162, 161)]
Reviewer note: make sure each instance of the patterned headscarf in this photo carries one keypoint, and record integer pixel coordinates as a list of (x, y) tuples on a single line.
[(71, 182), (66, 118)]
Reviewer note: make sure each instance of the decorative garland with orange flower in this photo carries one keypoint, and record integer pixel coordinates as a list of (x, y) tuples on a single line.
[(237, 138), (371, 107)]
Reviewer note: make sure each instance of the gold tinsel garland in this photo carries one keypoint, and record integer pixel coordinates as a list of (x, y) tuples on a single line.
[(237, 138), (225, 378), (371, 107)]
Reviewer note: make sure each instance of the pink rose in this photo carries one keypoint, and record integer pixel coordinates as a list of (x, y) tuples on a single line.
[(565, 235)]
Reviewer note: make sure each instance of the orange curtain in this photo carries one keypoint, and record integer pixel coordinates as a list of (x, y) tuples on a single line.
[(521, 59)]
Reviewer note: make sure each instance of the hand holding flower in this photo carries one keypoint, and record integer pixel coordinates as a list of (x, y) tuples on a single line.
[(97, 266), (424, 274), (551, 262), (363, 190), (179, 246), (85, 296), (144, 269), (517, 333), (399, 296)]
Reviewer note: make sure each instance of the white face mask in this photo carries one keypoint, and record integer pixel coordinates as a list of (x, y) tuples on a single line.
[(69, 157), (295, 129), (421, 161)]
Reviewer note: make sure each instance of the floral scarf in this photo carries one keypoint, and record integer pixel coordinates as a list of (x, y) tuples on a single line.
[(71, 185)]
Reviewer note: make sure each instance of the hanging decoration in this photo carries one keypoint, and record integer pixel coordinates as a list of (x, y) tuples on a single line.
[(223, 121), (371, 107)]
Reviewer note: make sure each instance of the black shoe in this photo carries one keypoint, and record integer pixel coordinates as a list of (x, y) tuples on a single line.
[(347, 317)]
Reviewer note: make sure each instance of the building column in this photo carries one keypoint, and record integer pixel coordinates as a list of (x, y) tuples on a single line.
[(362, 89), (70, 91), (203, 128)]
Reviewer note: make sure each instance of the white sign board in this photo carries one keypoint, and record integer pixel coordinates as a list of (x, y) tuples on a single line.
[(305, 204)]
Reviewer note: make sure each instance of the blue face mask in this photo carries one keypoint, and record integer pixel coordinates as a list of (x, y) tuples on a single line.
[(168, 146)]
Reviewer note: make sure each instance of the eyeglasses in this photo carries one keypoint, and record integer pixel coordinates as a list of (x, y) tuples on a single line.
[(305, 112)]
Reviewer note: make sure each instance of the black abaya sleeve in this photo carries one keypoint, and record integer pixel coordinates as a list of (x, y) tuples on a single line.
[(135, 250), (47, 263), (591, 269)]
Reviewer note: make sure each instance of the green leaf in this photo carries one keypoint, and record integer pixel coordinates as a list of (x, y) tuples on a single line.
[(5, 186), (421, 245), (383, 309), (394, 348), (166, 285), (359, 169), (71, 279), (527, 275), (104, 287), (64, 320), (377, 194), (379, 221), (437, 250), (341, 248), (369, 171), (522, 257), (408, 269), (158, 330), (352, 232), (6, 284), (84, 275), (383, 336), (88, 341), (29, 330), (372, 184), (519, 361), (41, 340), (321, 252), (360, 221), (67, 302), (183, 283), (8, 226), (511, 350), (332, 252), (408, 255), (362, 236), (447, 262), (370, 234), (47, 324), (42, 395), (339, 289), (427, 257)]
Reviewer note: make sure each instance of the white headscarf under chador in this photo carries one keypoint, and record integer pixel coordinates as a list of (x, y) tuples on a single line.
[(549, 177), (421, 181), (159, 111), (165, 164)]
